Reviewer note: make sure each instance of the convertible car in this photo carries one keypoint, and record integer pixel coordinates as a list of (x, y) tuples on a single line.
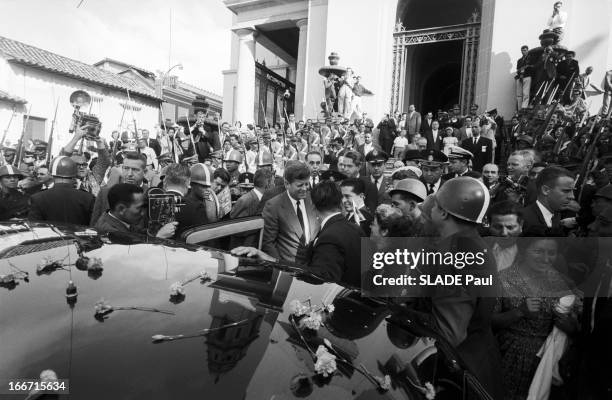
[(126, 317)]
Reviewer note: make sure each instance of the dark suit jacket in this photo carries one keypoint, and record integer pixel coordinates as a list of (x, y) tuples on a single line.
[(365, 225), (336, 252), (426, 125), (191, 214), (62, 203), (383, 196), (107, 224), (482, 150), (535, 225), (101, 203), (269, 194), (371, 193), (282, 230), (245, 206), (437, 145)]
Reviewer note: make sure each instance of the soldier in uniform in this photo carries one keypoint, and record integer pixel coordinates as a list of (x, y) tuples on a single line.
[(9, 154), (458, 162), (432, 164), (13, 203), (62, 203), (232, 164)]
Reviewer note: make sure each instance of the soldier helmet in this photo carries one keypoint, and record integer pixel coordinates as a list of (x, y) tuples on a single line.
[(264, 158), (202, 174), (410, 186), (234, 155), (464, 197), (63, 167), (9, 170)]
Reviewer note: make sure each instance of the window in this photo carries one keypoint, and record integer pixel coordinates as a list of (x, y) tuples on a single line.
[(35, 129)]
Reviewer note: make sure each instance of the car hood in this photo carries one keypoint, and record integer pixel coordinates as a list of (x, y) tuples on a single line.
[(252, 352)]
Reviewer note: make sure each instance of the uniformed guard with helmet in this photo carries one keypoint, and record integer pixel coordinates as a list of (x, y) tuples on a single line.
[(62, 203), (13, 203), (232, 164), (202, 177)]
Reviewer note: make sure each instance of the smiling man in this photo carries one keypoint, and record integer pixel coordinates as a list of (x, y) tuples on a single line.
[(290, 222)]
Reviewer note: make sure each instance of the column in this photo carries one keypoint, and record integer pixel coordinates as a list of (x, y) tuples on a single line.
[(300, 78), (245, 86)]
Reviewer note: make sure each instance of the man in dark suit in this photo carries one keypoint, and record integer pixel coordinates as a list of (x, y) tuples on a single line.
[(386, 135), (248, 204), (132, 171), (480, 147), (368, 145), (356, 211), (350, 163), (193, 212), (376, 161), (290, 218), (555, 191), (62, 203), (336, 251), (127, 210), (566, 69), (427, 122), (434, 137), (152, 143)]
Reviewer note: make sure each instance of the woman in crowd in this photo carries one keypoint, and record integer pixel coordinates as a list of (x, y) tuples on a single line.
[(528, 310)]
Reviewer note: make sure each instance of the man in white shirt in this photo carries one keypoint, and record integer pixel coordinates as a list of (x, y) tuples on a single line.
[(555, 186), (149, 153)]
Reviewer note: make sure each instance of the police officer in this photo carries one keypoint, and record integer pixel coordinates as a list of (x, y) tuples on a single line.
[(9, 154), (13, 203), (463, 312), (432, 163), (458, 162), (62, 203)]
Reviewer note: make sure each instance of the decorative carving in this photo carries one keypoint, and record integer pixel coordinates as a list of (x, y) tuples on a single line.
[(470, 33)]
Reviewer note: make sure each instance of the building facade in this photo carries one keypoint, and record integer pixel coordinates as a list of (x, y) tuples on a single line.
[(431, 53)]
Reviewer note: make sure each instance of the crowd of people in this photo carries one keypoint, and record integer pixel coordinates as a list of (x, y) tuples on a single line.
[(321, 185)]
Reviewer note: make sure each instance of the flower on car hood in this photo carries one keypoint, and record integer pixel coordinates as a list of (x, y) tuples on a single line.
[(177, 289), (326, 362), (313, 321), (384, 382), (94, 264), (298, 308), (102, 307)]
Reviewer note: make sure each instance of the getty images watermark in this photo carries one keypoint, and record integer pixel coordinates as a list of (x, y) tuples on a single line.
[(485, 267)]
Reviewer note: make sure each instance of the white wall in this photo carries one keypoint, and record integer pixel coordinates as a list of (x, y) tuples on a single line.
[(519, 22), (43, 89)]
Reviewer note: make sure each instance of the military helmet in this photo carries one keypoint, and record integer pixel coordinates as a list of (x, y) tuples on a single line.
[(202, 174), (264, 158), (411, 186), (9, 170), (63, 167), (234, 155), (464, 197)]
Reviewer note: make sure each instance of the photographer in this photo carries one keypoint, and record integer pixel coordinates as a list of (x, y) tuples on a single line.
[(89, 178)]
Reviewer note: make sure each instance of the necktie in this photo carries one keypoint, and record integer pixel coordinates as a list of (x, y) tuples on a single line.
[(431, 189), (300, 216), (376, 183), (475, 140)]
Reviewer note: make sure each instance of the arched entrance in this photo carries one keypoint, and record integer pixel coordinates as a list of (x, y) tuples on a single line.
[(435, 67)]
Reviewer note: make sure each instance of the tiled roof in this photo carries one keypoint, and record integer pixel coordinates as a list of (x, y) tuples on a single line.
[(9, 97), (128, 66), (25, 54)]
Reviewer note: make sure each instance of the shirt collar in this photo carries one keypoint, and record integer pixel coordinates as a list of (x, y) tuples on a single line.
[(546, 213), (328, 218), (257, 193), (122, 222)]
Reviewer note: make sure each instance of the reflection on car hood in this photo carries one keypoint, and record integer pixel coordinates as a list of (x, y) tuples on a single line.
[(115, 357)]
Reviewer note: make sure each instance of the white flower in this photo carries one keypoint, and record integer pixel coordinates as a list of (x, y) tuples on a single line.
[(158, 338), (204, 276), (313, 321), (330, 308), (94, 264), (326, 362), (298, 308), (177, 289), (384, 383), (430, 391), (102, 307), (48, 375)]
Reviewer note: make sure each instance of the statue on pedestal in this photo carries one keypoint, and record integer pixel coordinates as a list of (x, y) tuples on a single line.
[(556, 22), (333, 82)]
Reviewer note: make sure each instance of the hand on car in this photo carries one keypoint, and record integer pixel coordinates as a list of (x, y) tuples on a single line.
[(167, 231), (244, 251)]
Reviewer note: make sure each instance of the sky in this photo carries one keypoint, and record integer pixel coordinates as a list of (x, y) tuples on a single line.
[(133, 31)]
